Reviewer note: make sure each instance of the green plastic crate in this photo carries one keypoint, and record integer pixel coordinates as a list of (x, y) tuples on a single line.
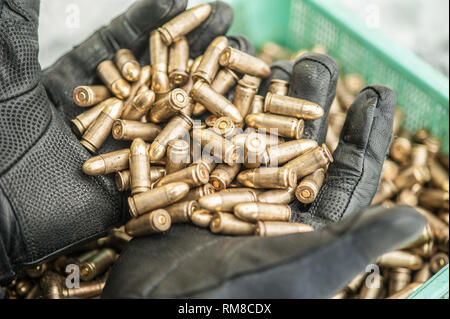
[(422, 92)]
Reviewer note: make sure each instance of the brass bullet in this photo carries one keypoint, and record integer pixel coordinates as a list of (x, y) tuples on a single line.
[(274, 52), (411, 176), (107, 163), (401, 148), (139, 167), (270, 229), (419, 155), (141, 84), (237, 188), (373, 292), (255, 151), (159, 59), (444, 215), (217, 146), (228, 224), (34, 293), (224, 81), (178, 156), (168, 106), (269, 139), (340, 295), (36, 271), (243, 95), (223, 175), (85, 96), (128, 130), (181, 212), (390, 170), (178, 62), (421, 135), (196, 193), (122, 178), (51, 285), (202, 218), (386, 190), (128, 65), (277, 196), (444, 160), (117, 239), (399, 278), (308, 189), (215, 102), (407, 197), (189, 109), (177, 128), (400, 259), (190, 83), (257, 105), (311, 161), (285, 152), (82, 122), (211, 120), (225, 126), (23, 287), (113, 80), (425, 237), (440, 229), (268, 177), (407, 291), (254, 212), (208, 160), (140, 105), (242, 62), (99, 131), (209, 65), (194, 176), (434, 198), (158, 197), (354, 285), (286, 126), (354, 83), (434, 146), (425, 250), (184, 23), (157, 221), (423, 274), (439, 176), (437, 262), (294, 107), (225, 201), (86, 289), (279, 87), (97, 264)]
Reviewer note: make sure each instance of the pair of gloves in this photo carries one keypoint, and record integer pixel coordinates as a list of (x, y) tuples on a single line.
[(48, 206)]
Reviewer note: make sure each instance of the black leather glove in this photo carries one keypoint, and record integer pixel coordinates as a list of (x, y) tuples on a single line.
[(47, 204), (188, 262)]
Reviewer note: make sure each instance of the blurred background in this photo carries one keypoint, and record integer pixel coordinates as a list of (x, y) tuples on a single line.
[(421, 26)]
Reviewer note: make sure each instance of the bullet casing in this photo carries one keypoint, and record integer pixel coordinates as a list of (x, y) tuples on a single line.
[(157, 221), (269, 139), (178, 156), (269, 229), (386, 190), (86, 290), (407, 197), (390, 170), (308, 189), (293, 107), (139, 167), (434, 146), (168, 106), (225, 201), (196, 193), (217, 146), (277, 196), (438, 261), (202, 218), (36, 271), (257, 105), (182, 211), (184, 23), (400, 259), (399, 278), (242, 62), (85, 96), (405, 292), (113, 80), (411, 176), (178, 62), (209, 65), (287, 126), (189, 109), (373, 291), (98, 132), (228, 224), (223, 175), (193, 176), (122, 178), (285, 152), (97, 264), (128, 130), (309, 162), (254, 212), (142, 82), (190, 83), (419, 155), (159, 59), (82, 122), (434, 198), (140, 104), (108, 163), (423, 274), (243, 96), (279, 87), (268, 177), (127, 64), (439, 176), (156, 198), (225, 126), (401, 149), (208, 160)]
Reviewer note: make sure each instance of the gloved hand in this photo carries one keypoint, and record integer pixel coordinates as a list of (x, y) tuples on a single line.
[(188, 262), (47, 204)]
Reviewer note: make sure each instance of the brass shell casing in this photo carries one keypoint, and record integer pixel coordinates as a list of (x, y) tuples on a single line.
[(311, 161), (224, 81), (401, 150), (294, 107), (243, 96), (407, 197), (178, 156), (208, 160), (182, 211), (82, 122), (228, 224), (285, 152), (411, 176), (407, 291), (377, 291), (123, 178), (287, 126), (189, 109), (215, 102), (190, 83), (400, 259), (255, 150), (225, 127), (202, 218), (107, 163), (194, 176), (159, 59), (97, 264), (158, 197), (86, 289), (269, 229), (113, 80), (223, 175), (127, 64), (386, 190), (140, 105), (257, 105), (242, 62), (168, 106), (196, 193), (419, 155), (143, 81), (434, 198), (390, 170), (399, 278), (438, 261), (225, 201), (139, 167), (85, 96), (98, 132), (434, 146), (439, 176), (241, 139), (184, 23), (423, 274), (268, 177), (254, 212), (157, 221), (440, 228), (308, 189), (178, 62), (279, 87), (277, 196), (126, 130), (176, 128), (209, 65), (219, 147)]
